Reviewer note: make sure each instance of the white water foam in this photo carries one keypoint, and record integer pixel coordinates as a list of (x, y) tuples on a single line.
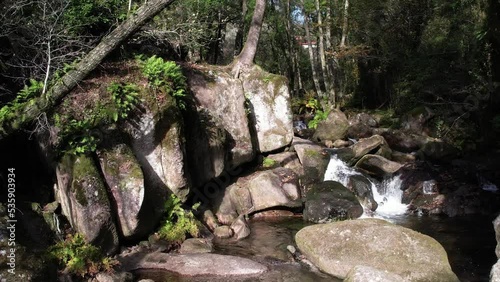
[(387, 194)]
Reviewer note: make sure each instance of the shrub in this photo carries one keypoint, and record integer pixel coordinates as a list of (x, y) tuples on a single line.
[(177, 221), (125, 96), (79, 257)]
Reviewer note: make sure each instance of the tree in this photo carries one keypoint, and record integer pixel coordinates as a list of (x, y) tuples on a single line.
[(29, 111), (246, 57)]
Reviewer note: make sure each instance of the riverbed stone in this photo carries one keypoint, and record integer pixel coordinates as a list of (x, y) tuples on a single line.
[(193, 264), (125, 180), (375, 144), (223, 232), (334, 127), (378, 165), (336, 248), (314, 160), (331, 201), (270, 108), (196, 246), (240, 228), (83, 197), (362, 188)]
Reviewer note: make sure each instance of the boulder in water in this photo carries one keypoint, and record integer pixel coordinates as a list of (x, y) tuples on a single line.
[(336, 248), (378, 165), (334, 127), (362, 273), (331, 201), (362, 188)]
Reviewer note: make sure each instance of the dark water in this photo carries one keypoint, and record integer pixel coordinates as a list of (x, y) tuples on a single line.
[(469, 241)]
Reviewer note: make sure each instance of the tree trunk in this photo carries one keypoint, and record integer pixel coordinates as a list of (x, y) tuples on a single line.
[(238, 45), (322, 56), (37, 106), (247, 55), (344, 24), (311, 54)]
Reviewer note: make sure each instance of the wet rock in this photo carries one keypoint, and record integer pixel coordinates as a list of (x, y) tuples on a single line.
[(336, 248), (313, 159), (378, 165), (361, 273), (193, 264), (81, 192), (196, 246), (210, 220), (124, 177), (333, 128), (438, 151), (288, 160), (374, 144), (240, 228), (401, 141), (358, 130), (223, 232), (340, 143), (402, 157), (114, 277), (270, 111), (273, 213), (362, 188), (331, 201)]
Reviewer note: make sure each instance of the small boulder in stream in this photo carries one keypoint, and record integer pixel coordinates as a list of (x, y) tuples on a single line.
[(378, 165), (336, 248), (333, 128), (331, 201)]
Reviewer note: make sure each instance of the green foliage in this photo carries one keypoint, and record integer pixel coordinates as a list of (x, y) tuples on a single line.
[(165, 76), (319, 115), (25, 95), (125, 97), (269, 163), (79, 257), (90, 16), (177, 221), (77, 137)]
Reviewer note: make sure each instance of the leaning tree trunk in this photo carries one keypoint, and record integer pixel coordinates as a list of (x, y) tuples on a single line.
[(31, 110), (247, 55)]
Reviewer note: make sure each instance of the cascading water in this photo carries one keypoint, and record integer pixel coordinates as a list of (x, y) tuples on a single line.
[(387, 194)]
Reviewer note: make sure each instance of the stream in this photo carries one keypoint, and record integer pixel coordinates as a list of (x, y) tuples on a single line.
[(469, 240)]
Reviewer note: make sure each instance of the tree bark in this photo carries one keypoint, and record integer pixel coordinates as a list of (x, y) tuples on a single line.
[(344, 24), (247, 55), (30, 111)]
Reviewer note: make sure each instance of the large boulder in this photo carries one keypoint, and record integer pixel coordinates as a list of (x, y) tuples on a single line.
[(362, 273), (331, 201), (125, 180), (375, 144), (219, 129), (259, 191), (84, 201), (439, 151), (270, 110), (414, 120), (378, 165), (333, 128), (336, 248)]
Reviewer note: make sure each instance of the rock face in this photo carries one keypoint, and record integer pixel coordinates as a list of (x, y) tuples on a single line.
[(126, 182), (270, 109), (333, 128), (361, 273), (313, 158), (81, 192), (218, 134), (336, 248), (331, 201)]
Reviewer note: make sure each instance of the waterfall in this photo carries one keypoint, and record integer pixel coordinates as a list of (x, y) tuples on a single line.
[(387, 194)]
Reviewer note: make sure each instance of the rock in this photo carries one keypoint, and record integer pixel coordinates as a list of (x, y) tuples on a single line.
[(362, 188), (340, 143), (415, 120), (218, 135), (240, 228), (223, 232), (402, 157), (361, 273), (336, 248), (196, 246), (496, 226), (377, 165), (273, 213), (210, 220), (270, 108), (157, 144), (439, 151), (358, 130), (81, 192), (288, 160), (114, 277), (331, 201), (125, 180), (333, 128), (374, 144), (495, 272), (363, 118), (273, 188), (194, 264), (313, 158), (401, 141)]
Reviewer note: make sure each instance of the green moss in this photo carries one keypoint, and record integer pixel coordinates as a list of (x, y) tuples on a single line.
[(85, 171), (269, 163)]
